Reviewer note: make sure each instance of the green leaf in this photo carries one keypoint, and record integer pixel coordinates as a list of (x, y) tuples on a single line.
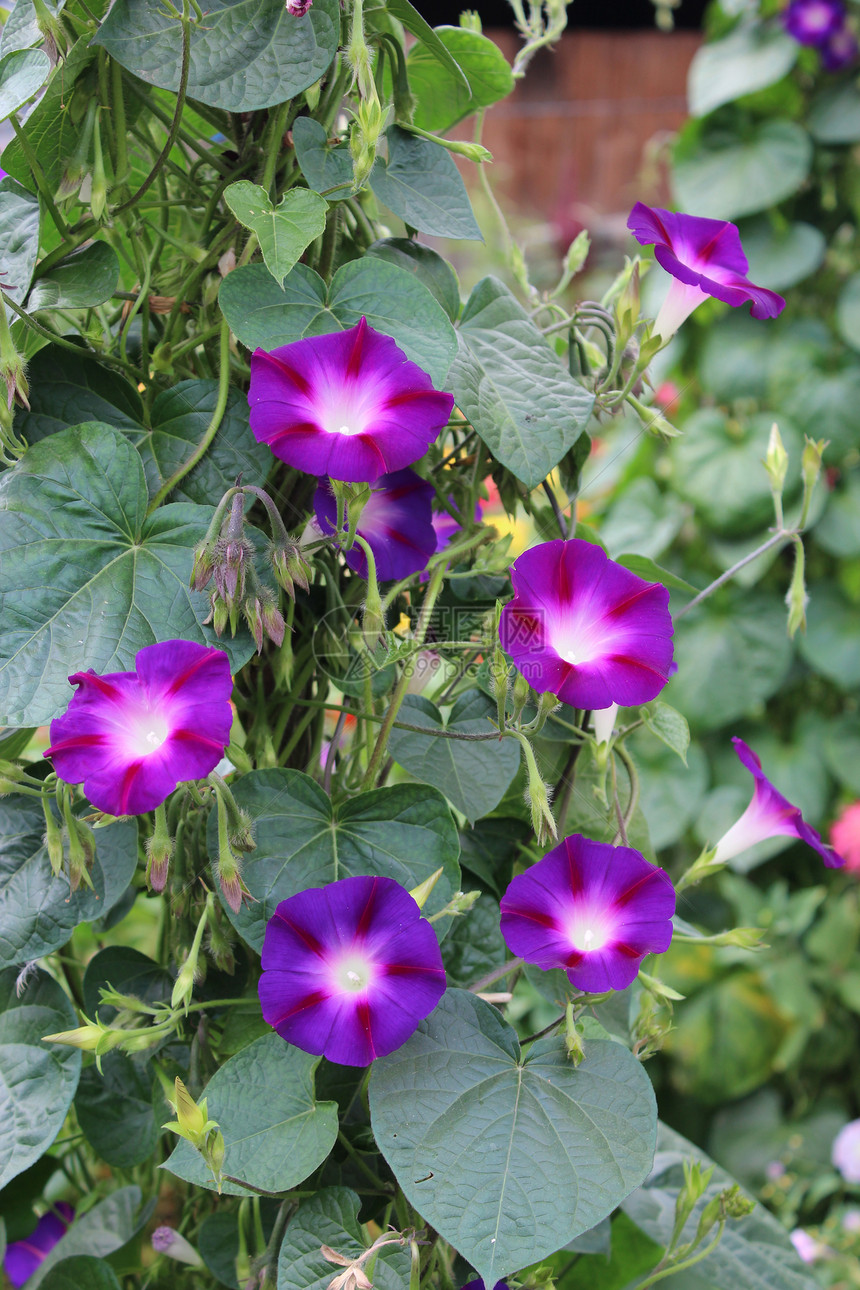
[(646, 568), (408, 15), (509, 383), (115, 1110), (509, 1158), (839, 530), (592, 811), (834, 114), (842, 751), (180, 417), (727, 176), (260, 313), (405, 833), (101, 580), (324, 166), (632, 1255), (284, 231), (128, 971), (848, 312), (473, 776), (669, 725), (750, 58), (68, 389), (81, 280), (275, 1133), (52, 127), (755, 1253), (443, 98), (22, 74), (37, 911), (829, 644), (643, 520), (245, 55), (426, 265), (420, 182), (475, 945), (670, 798), (19, 238), (730, 660), (37, 1080), (781, 257), (103, 1230), (21, 29), (331, 1218), (81, 1270)]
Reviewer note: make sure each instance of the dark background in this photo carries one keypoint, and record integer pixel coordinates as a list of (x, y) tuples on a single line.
[(608, 15)]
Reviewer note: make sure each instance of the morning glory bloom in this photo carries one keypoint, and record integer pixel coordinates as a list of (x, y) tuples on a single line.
[(349, 405), (349, 970), (396, 522), (23, 1257), (845, 1152), (592, 909), (769, 815), (478, 1284), (812, 22), (705, 258), (131, 737), (839, 50), (585, 628)]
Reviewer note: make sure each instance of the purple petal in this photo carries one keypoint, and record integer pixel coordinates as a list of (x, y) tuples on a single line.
[(586, 629), (396, 522), (23, 1257), (839, 50), (813, 22)]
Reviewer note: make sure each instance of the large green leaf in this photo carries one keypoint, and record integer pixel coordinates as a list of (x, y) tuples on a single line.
[(324, 166), (406, 13), (81, 1270), (727, 176), (671, 795), (68, 389), (93, 579), (37, 1080), (443, 98), (245, 54), (37, 911), (426, 265), (834, 114), (509, 1157), (19, 238), (284, 231), (839, 531), (474, 776), (100, 1232), (754, 1253), (421, 183), (829, 644), (750, 58), (780, 257), (405, 833), (85, 278), (331, 1218), (53, 125), (260, 313), (126, 970), (848, 312), (21, 29), (115, 1110), (509, 383), (274, 1131), (22, 74)]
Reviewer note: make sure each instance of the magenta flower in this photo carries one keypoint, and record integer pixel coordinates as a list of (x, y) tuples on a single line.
[(349, 405), (593, 910), (839, 50), (350, 969), (845, 1152), (812, 22), (585, 628), (131, 737), (705, 258), (396, 523), (23, 1257), (478, 1284), (769, 815)]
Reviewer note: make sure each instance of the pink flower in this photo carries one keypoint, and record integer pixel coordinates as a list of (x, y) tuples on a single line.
[(349, 405), (131, 737), (705, 258), (845, 836), (845, 1152)]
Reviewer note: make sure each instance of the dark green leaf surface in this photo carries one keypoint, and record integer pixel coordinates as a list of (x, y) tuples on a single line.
[(473, 776), (261, 314), (423, 263), (115, 1110), (52, 129), (82, 1270), (21, 29), (37, 912), (829, 644), (405, 833), (848, 312), (509, 383), (37, 1080), (323, 166), (126, 970), (245, 55), (509, 1158), (405, 12), (421, 183), (780, 257), (669, 725), (67, 389), (750, 58), (284, 231), (19, 238), (443, 98), (22, 74), (726, 176), (331, 1218), (834, 114), (274, 1131), (93, 580), (104, 1229), (85, 278), (474, 946)]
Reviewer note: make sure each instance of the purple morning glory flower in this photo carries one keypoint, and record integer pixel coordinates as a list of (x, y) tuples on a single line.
[(23, 1257), (812, 22), (350, 969), (131, 737), (769, 815), (705, 258), (349, 405), (396, 523), (593, 910), (839, 50), (478, 1284), (585, 628)]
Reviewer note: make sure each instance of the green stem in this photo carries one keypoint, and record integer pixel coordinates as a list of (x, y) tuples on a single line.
[(783, 536), (277, 126), (662, 1273), (81, 351), (39, 176), (355, 1156)]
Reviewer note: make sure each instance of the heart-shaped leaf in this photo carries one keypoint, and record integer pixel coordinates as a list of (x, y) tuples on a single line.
[(473, 775), (81, 1270), (81, 280), (510, 1157), (331, 1218), (725, 176), (21, 29), (283, 231), (275, 1132), (67, 389), (421, 184), (323, 166), (426, 265), (22, 74), (116, 1112), (442, 97), (51, 129), (19, 238), (750, 58)]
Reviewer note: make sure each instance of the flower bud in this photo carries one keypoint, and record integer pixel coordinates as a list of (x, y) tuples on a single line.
[(298, 9), (53, 837), (420, 893), (776, 461), (273, 620), (204, 564), (84, 1037), (537, 796), (796, 597), (289, 567), (521, 691), (99, 189), (166, 1240), (159, 849)]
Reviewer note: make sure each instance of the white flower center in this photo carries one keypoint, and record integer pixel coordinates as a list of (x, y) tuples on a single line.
[(147, 731), (353, 974), (589, 930)]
